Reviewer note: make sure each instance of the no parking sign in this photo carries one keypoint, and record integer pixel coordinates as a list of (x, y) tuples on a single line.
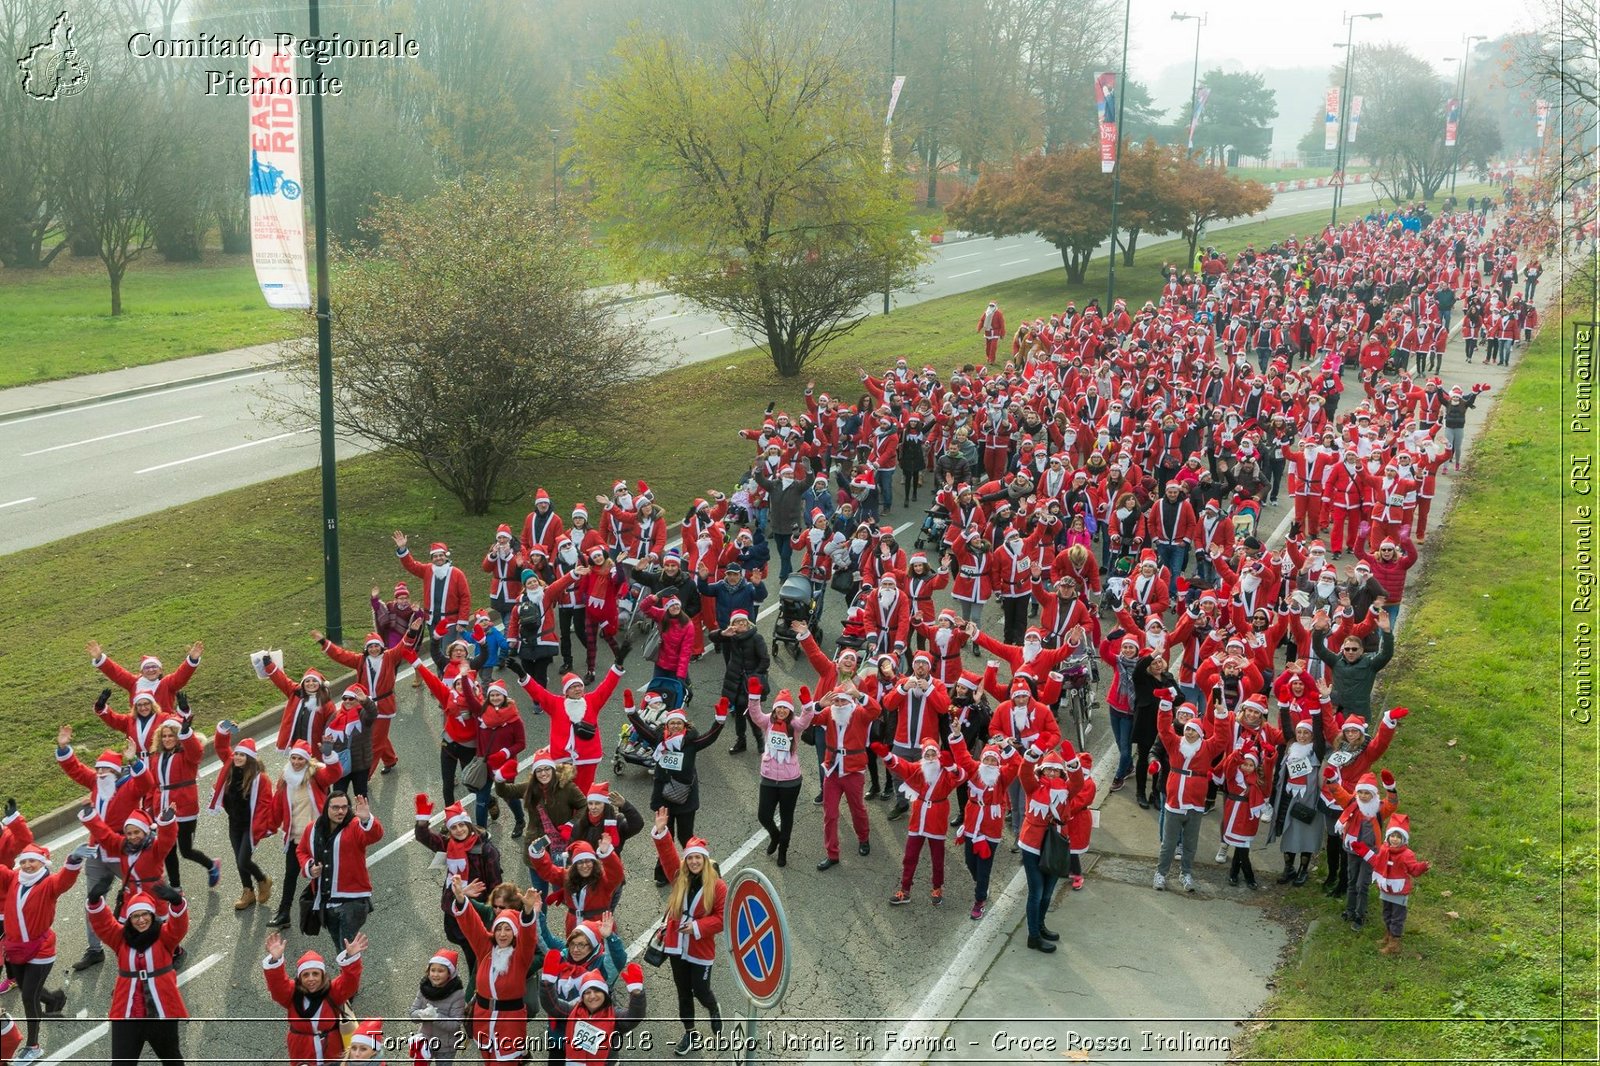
[(758, 938)]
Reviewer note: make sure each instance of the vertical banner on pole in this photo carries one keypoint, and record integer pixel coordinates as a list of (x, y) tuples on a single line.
[(1355, 119), (1452, 117), (277, 222), (888, 121), (1200, 99), (1105, 104), (1541, 115), (1330, 121)]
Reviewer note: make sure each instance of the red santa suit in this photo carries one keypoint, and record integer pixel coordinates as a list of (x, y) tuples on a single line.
[(147, 980), (498, 1017), (992, 325), (446, 597), (565, 714), (164, 689), (929, 820), (29, 906), (376, 673), (983, 819), (1244, 796), (313, 1018)]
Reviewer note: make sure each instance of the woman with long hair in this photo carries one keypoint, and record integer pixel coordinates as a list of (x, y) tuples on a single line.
[(677, 636), (505, 952), (696, 905), (244, 792), (677, 782), (297, 800), (585, 884), (176, 766), (551, 799), (28, 893), (468, 854)]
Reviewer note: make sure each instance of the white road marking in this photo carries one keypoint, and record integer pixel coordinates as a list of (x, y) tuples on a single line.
[(963, 274), (967, 255), (13, 503), (713, 332), (1014, 262), (70, 1049), (141, 396), (109, 436), (225, 451), (663, 318)]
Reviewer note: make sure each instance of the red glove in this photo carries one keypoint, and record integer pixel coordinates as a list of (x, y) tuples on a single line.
[(754, 685), (722, 709), (1424, 867), (501, 756), (441, 629), (633, 977), (552, 962), (424, 806), (879, 748), (947, 758), (1085, 760), (1387, 778), (982, 849), (1398, 713), (1330, 773), (805, 696), (496, 759), (1155, 768), (627, 699)]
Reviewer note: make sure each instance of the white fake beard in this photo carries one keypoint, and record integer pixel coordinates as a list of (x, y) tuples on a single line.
[(942, 638), (294, 778), (1298, 750), (1019, 714), (1189, 747), (105, 787), (1249, 583), (1030, 651), (886, 601), (930, 771), (569, 555), (1368, 808), (988, 774), (1156, 641), (815, 536), (576, 709), (441, 571), (841, 717), (1325, 589)]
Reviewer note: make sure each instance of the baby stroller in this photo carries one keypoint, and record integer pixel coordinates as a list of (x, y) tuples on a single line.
[(798, 601), (1245, 514), (931, 535), (631, 749)]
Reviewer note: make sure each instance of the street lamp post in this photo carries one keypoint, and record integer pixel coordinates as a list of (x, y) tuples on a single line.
[(1461, 105), (1194, 81), (894, 18), (333, 623), (1116, 165), (1344, 109), (555, 174)]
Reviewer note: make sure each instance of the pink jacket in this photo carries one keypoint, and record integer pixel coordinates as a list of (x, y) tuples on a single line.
[(677, 641), (771, 768)]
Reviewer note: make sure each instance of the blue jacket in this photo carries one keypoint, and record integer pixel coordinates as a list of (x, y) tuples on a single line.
[(816, 501), (757, 555), (730, 598)]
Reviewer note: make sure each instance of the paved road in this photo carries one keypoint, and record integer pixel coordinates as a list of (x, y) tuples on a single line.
[(75, 470), (900, 969)]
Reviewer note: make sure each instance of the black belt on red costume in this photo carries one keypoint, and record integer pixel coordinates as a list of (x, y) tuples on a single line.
[(145, 975), (179, 784), (1185, 773), (1237, 797), (499, 1004)]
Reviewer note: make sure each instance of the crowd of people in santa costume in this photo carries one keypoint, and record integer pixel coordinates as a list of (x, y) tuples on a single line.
[(1093, 497)]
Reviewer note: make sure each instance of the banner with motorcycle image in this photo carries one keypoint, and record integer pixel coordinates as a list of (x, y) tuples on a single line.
[(277, 219)]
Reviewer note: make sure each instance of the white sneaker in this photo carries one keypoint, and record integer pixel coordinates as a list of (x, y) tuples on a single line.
[(1160, 884), (29, 1054), (1222, 853), (1188, 883)]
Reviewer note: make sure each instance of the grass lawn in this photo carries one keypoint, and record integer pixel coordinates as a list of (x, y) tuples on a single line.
[(57, 322), (243, 569), (1269, 174), (1499, 783)]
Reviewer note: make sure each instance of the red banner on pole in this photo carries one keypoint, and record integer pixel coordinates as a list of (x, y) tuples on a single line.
[(1105, 104), (1452, 118)]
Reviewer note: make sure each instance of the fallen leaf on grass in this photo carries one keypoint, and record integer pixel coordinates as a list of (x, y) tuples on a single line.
[(1450, 743), (1446, 893), (1451, 914)]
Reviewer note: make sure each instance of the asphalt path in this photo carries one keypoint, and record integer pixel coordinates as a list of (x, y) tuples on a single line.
[(75, 470)]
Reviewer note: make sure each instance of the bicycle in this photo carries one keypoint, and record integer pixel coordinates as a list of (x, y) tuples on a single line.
[(1075, 682)]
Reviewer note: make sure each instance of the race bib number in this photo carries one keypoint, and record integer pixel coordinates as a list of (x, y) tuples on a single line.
[(1396, 501), (671, 760), (1339, 758), (1298, 768), (778, 744), (587, 1038)]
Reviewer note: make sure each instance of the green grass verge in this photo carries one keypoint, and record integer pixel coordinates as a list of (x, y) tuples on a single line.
[(57, 322), (1499, 784), (1268, 174), (243, 569)]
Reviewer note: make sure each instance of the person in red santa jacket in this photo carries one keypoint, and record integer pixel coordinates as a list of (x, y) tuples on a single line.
[(375, 667), (312, 1000), (697, 903), (306, 705), (175, 764), (1080, 812), (929, 782), (498, 1015), (333, 855), (446, 596), (586, 883), (1043, 778), (574, 720), (164, 688), (140, 850), (844, 720), (28, 893), (988, 779), (592, 1023), (244, 793), (146, 1005), (1394, 868), (1191, 759)]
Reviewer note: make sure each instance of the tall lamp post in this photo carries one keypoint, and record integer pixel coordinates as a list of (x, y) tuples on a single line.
[(888, 142), (1194, 82), (1344, 108), (1461, 105), (333, 624), (555, 174), (1116, 166)]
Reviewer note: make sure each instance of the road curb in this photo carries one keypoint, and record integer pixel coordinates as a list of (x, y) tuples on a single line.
[(139, 390)]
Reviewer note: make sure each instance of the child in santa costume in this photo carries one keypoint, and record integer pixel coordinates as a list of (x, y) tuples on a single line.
[(1246, 780), (697, 903), (311, 999), (594, 1023), (927, 783), (1363, 812), (28, 893), (987, 781), (441, 1007), (146, 1004), (505, 951), (1080, 812), (1394, 865)]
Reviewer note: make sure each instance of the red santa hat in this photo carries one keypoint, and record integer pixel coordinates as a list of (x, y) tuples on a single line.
[(1035, 632), (672, 715), (1019, 685), (1399, 823), (356, 693), (313, 672), (783, 699), (139, 902), (1055, 760), (149, 660), (543, 760), (368, 1034), (541, 496), (968, 680), (922, 657), (503, 531), (579, 852), (580, 509), (599, 792), (300, 748), (568, 680), (1195, 724), (507, 917), (497, 685), (697, 846), (438, 547), (311, 960), (372, 638), (1148, 558), (144, 696), (137, 820), (1368, 781), (109, 760), (449, 958), (1352, 721), (455, 814), (593, 979), (400, 589)]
